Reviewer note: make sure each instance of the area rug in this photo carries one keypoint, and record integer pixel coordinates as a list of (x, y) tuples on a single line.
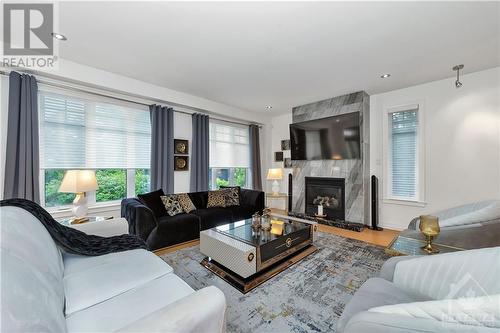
[(307, 297)]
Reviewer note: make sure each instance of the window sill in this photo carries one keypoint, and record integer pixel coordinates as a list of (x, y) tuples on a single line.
[(403, 202), (93, 210)]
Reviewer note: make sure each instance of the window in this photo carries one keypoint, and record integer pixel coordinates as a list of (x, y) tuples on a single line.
[(80, 132), (404, 155), (229, 155)]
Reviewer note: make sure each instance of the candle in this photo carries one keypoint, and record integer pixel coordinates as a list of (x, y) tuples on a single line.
[(320, 210)]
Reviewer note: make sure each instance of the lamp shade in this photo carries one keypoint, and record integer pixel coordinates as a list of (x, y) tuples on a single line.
[(76, 181), (275, 174)]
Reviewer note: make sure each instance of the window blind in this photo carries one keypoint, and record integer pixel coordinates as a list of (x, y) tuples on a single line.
[(404, 140), (81, 133), (229, 146)]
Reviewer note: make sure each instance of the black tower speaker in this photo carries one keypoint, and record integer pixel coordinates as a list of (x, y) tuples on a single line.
[(374, 204), (289, 192)]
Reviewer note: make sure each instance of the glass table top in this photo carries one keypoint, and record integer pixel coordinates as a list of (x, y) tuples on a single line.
[(242, 230)]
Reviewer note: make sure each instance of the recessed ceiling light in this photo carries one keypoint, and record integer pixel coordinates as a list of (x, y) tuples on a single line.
[(58, 36), (269, 107), (385, 76)]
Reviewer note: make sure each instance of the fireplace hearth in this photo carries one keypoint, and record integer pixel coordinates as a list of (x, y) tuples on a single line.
[(327, 192)]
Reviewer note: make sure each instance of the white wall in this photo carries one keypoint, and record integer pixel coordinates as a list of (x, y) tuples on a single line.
[(280, 131), (462, 142), (183, 130)]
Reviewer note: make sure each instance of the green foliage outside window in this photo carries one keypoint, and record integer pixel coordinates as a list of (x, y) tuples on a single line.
[(231, 177), (221, 182), (240, 177), (142, 181), (53, 179), (112, 184)]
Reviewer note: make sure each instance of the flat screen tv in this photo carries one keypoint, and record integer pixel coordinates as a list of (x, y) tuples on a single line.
[(332, 138)]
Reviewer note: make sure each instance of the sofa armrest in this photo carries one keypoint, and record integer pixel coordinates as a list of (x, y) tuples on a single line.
[(202, 311), (141, 220), (442, 276), (253, 198), (392, 323), (388, 268)]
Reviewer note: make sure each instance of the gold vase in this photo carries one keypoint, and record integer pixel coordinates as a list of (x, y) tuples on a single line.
[(429, 226)]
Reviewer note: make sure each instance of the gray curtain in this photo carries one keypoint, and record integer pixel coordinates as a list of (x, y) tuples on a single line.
[(199, 155), (162, 148), (255, 158), (22, 166)]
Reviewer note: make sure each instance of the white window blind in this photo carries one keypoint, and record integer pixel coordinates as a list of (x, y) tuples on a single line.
[(80, 133), (229, 146), (404, 153)]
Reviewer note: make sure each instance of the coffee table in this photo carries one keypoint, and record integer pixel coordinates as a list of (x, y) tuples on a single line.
[(245, 258)]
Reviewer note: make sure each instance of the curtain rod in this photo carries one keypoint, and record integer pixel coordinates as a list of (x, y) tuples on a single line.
[(89, 91)]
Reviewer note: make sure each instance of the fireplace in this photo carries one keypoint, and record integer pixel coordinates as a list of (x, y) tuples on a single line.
[(328, 192)]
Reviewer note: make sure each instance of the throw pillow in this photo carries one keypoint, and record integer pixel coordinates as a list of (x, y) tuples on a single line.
[(186, 203), (172, 204), (216, 199), (153, 201), (232, 196)]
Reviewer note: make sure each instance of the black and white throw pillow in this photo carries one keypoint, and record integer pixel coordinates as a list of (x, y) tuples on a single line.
[(232, 196), (172, 204)]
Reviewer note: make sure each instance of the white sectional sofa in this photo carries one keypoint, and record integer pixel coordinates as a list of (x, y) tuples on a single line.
[(46, 290)]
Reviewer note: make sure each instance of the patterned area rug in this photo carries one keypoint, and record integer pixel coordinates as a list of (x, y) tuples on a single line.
[(307, 297)]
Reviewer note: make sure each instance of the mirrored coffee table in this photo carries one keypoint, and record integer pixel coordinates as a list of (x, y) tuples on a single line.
[(246, 258)]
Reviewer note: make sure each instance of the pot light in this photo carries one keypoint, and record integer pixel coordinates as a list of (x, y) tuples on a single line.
[(457, 68), (385, 76), (269, 107), (58, 36)]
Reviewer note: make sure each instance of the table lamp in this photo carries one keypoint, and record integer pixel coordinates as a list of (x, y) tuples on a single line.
[(275, 174), (79, 182)]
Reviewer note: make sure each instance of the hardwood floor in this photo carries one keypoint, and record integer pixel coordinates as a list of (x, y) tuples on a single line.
[(382, 238)]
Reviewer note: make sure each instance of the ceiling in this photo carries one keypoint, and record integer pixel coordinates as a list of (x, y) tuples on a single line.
[(250, 55)]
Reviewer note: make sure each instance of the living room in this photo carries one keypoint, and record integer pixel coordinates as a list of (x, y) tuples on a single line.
[(250, 166)]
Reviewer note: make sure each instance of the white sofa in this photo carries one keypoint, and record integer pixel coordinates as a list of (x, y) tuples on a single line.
[(43, 289), (450, 292)]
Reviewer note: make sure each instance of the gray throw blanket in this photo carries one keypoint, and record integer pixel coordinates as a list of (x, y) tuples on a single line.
[(75, 241)]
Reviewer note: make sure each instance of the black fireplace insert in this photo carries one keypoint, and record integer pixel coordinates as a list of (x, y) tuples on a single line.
[(328, 192)]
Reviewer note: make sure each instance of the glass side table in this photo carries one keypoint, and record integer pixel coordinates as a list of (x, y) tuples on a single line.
[(402, 246), (70, 221)]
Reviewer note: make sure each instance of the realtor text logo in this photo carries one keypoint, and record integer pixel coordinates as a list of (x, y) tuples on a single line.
[(27, 34)]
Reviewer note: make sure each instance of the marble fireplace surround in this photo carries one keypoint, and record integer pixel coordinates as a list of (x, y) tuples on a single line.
[(354, 171)]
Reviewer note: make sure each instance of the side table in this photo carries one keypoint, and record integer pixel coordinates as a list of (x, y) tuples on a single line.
[(277, 201), (101, 227)]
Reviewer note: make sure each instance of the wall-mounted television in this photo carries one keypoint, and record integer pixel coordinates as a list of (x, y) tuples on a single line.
[(332, 138)]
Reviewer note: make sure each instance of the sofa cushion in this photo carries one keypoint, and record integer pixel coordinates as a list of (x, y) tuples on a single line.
[(153, 201), (232, 195), (173, 230), (213, 217), (32, 292), (242, 212), (186, 202), (199, 199), (172, 204), (126, 308), (31, 301), (90, 280), (216, 199), (375, 292)]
